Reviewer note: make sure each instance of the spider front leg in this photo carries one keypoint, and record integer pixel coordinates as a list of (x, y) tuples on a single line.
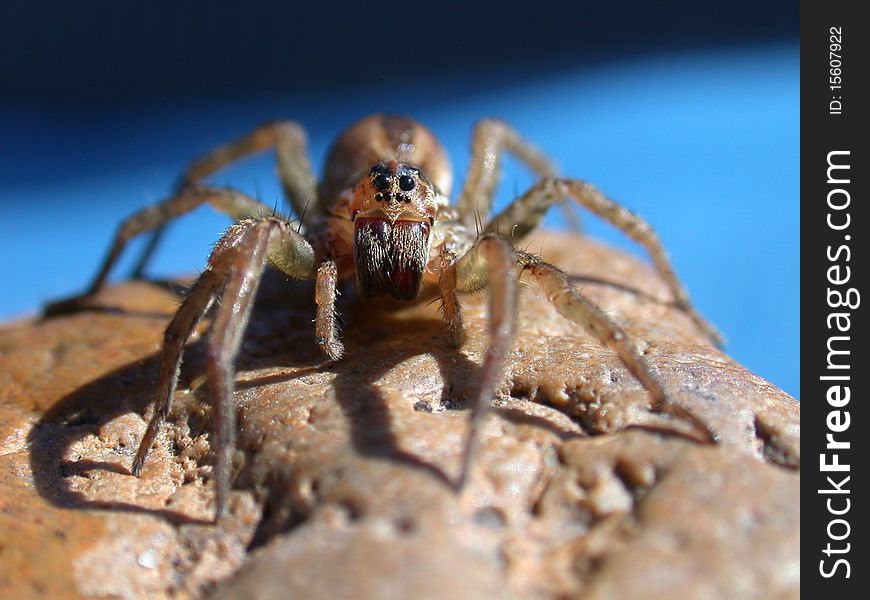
[(236, 265), (525, 213), (294, 170), (325, 326), (492, 263), (489, 264), (576, 307), (198, 300), (451, 310), (590, 197)]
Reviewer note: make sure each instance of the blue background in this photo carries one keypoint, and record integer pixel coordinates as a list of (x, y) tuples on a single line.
[(689, 117)]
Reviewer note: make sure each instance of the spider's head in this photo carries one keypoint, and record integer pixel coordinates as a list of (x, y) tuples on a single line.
[(393, 209), (394, 191)]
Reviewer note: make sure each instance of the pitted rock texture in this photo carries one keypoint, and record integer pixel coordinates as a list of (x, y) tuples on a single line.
[(344, 471)]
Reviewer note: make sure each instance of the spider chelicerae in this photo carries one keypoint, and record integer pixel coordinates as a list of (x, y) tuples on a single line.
[(382, 215)]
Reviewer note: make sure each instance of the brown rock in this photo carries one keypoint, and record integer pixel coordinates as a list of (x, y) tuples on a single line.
[(344, 469)]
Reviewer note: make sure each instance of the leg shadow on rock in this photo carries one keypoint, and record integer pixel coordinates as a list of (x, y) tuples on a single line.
[(374, 351), (65, 444), (80, 415)]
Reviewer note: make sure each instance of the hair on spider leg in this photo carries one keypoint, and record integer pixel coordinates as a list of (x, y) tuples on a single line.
[(433, 300), (302, 216), (178, 289), (478, 222), (497, 226)]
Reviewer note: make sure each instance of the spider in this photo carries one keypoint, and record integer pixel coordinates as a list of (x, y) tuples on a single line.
[(382, 215)]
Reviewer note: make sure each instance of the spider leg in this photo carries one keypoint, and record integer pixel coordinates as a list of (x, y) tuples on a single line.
[(491, 138), (225, 200), (489, 264), (575, 306), (294, 170), (325, 327), (236, 264), (451, 310), (178, 331), (524, 214), (590, 197)]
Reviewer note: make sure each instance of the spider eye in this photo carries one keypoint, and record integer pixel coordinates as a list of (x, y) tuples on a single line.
[(382, 182), (406, 183)]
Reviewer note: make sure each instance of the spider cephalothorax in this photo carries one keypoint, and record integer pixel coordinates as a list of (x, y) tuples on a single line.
[(393, 209), (382, 215)]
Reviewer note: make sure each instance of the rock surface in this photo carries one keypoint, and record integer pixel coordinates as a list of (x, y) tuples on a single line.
[(343, 470)]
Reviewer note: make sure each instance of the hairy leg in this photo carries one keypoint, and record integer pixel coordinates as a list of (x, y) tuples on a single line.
[(574, 306), (236, 265), (524, 214), (226, 200), (196, 304), (294, 170), (489, 264), (491, 138), (245, 270), (325, 326), (451, 310)]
